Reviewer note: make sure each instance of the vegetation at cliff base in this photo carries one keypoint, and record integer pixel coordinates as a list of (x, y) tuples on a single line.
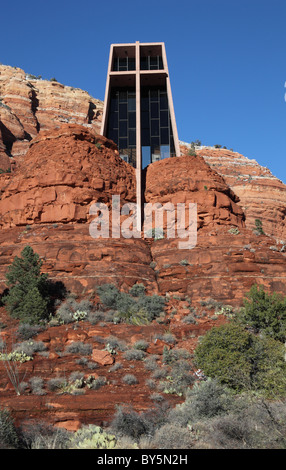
[(27, 298), (248, 353)]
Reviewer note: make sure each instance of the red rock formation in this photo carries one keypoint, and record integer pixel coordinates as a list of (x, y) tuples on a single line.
[(262, 195), (228, 257), (28, 105), (45, 203), (64, 171)]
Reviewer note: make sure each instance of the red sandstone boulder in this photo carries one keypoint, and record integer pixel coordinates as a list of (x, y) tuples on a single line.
[(104, 358)]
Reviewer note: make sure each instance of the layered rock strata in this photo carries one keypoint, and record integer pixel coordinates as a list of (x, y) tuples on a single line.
[(262, 195), (28, 104), (46, 200)]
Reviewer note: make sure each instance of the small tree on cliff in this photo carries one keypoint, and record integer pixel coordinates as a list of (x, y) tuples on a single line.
[(27, 297)]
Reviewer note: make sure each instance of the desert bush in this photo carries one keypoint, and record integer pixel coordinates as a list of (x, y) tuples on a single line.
[(141, 345), (151, 384), (56, 384), (115, 343), (129, 379), (26, 331), (172, 436), (95, 317), (171, 356), (159, 373), (36, 384), (115, 367), (78, 347), (230, 432), (76, 375), (167, 337), (127, 422), (137, 290), (265, 313), (177, 382), (243, 361), (151, 362), (156, 397), (72, 311), (43, 436), (8, 432), (97, 383), (203, 401), (136, 310), (259, 227), (30, 347), (189, 319), (134, 355)]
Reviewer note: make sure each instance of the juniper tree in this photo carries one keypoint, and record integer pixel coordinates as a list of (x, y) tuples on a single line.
[(27, 297)]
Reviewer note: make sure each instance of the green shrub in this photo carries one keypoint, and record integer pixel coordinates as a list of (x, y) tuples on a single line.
[(204, 400), (27, 297), (127, 422), (137, 290), (243, 361), (192, 151), (71, 311), (265, 313), (130, 309), (258, 226)]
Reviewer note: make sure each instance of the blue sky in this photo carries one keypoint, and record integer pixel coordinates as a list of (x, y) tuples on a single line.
[(227, 60)]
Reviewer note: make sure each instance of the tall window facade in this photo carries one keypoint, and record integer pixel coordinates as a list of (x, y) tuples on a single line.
[(138, 109), (122, 122), (156, 130)]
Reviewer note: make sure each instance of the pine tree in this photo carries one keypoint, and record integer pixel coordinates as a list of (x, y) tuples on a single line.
[(26, 299)]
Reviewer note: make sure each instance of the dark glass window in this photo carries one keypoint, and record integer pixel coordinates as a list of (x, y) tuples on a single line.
[(123, 143), (155, 127), (163, 100), (123, 111), (145, 137), (132, 136), (145, 120), (151, 63), (164, 135), (156, 136), (154, 110), (123, 128), (132, 119), (122, 122), (122, 96), (131, 102), (144, 63), (123, 63), (164, 118)]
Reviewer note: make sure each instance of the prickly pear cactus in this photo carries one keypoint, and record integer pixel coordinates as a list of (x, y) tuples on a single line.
[(92, 437)]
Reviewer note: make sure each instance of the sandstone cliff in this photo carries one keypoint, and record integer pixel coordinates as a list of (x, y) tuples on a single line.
[(28, 105), (45, 202), (262, 195), (59, 167)]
